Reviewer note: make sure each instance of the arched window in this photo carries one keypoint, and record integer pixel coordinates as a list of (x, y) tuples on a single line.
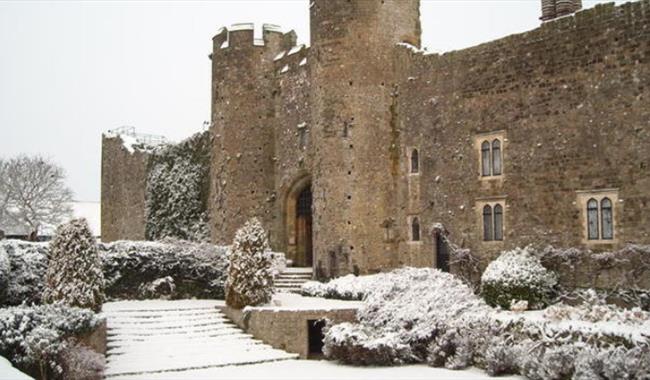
[(485, 158), (415, 229), (415, 161), (487, 223), (607, 221), (498, 222), (496, 157), (592, 219)]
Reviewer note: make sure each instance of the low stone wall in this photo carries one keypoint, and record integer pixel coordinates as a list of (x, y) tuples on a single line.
[(96, 340), (285, 329)]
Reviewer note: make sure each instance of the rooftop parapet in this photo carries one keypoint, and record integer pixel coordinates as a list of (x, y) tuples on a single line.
[(242, 35)]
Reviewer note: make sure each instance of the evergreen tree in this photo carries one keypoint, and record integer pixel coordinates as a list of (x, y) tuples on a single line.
[(74, 274), (250, 278)]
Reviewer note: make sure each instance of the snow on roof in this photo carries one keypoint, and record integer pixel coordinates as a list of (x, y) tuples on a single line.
[(285, 69), (225, 44), (303, 62), (272, 28), (258, 42), (280, 56), (242, 26)]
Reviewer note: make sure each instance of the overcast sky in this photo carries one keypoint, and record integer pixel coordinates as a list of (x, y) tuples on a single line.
[(70, 70)]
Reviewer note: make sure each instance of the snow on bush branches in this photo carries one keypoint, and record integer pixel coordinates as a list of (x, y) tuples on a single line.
[(176, 193), (74, 274), (33, 337), (400, 316), (348, 287), (517, 275), (250, 274), (27, 267)]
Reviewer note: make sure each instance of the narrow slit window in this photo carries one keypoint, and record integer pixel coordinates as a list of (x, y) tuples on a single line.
[(496, 157), (487, 223), (607, 221), (498, 222), (415, 229), (592, 219), (485, 159), (415, 161)]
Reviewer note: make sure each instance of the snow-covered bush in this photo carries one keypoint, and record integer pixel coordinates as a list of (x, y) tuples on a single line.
[(594, 308), (403, 314), (517, 275), (33, 337), (25, 279), (348, 287), (81, 363), (74, 274), (177, 188), (198, 270), (250, 275), (162, 288), (5, 269)]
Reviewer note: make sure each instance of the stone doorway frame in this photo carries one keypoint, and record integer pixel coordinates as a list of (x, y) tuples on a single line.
[(290, 215)]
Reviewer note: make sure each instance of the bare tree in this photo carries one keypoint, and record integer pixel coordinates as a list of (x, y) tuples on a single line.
[(33, 194)]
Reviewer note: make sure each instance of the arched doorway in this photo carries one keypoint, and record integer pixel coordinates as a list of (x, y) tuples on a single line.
[(304, 249), (298, 218)]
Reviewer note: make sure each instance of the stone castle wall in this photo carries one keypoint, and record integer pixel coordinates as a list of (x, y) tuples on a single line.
[(569, 101), (124, 177), (572, 101)]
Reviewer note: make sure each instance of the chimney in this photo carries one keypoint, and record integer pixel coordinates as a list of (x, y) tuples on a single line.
[(552, 9)]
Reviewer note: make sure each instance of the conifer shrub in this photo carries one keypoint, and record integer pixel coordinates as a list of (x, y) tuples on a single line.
[(74, 274), (515, 276), (250, 274)]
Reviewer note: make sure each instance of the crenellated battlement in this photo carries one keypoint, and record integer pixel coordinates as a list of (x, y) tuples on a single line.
[(292, 59), (242, 37)]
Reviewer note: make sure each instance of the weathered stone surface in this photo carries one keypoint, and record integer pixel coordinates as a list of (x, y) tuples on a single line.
[(569, 101)]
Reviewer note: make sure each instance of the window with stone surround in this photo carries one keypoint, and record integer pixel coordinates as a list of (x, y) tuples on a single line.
[(414, 228), (414, 161), (490, 147), (491, 216), (598, 213)]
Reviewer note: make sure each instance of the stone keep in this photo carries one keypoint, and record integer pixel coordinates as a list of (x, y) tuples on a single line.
[(351, 150)]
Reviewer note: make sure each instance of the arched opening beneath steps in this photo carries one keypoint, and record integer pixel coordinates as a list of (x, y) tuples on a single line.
[(299, 221)]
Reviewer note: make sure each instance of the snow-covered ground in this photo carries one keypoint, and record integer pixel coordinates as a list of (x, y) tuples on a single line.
[(8, 372), (321, 370), (151, 337), (191, 339)]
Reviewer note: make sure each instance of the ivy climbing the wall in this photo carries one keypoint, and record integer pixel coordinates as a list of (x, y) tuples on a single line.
[(177, 190)]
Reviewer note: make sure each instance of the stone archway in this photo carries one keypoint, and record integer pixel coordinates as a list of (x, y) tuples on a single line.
[(298, 216)]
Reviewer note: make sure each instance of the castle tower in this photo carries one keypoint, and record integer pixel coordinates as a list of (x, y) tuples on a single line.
[(242, 110), (356, 157)]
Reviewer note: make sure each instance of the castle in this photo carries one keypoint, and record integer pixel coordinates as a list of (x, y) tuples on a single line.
[(362, 153)]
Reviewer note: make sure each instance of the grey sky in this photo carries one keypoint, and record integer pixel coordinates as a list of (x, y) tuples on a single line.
[(70, 70)]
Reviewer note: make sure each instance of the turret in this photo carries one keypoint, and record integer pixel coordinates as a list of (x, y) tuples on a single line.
[(356, 154), (552, 9), (242, 108)]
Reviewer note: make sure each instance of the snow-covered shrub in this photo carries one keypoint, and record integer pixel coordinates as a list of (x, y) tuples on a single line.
[(26, 277), (162, 288), (74, 274), (352, 344), (517, 275), (177, 188), (403, 314), (552, 363), (594, 308), (250, 275), (5, 269), (198, 270), (348, 287), (81, 363), (33, 337), (501, 358)]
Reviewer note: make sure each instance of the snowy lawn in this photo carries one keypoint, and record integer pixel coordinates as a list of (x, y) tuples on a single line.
[(320, 370), (8, 372)]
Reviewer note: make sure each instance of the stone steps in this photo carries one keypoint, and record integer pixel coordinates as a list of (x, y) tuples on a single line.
[(292, 279), (176, 337)]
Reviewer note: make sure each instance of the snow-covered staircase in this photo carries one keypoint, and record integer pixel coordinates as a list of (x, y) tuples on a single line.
[(292, 279), (174, 336)]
